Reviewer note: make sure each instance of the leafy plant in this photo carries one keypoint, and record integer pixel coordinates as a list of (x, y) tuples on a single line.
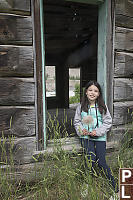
[(76, 97)]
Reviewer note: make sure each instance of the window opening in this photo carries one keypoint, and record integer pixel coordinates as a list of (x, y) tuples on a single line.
[(74, 85), (50, 81)]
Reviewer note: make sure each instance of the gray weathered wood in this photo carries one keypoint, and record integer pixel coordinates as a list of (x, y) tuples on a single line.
[(15, 30), (124, 21), (16, 91), (124, 39), (18, 121), (110, 55), (22, 149), (16, 61), (22, 5), (123, 64), (123, 89), (124, 13), (123, 112), (39, 89), (5, 5), (124, 7), (15, 6)]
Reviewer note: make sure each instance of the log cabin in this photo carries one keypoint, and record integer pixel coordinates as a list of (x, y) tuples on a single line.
[(93, 35)]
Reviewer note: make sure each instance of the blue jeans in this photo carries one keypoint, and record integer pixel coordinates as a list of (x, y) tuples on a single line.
[(96, 151)]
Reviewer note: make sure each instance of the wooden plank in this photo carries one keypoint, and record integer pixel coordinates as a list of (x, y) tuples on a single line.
[(22, 149), (110, 55), (17, 121), (123, 89), (124, 7), (16, 61), (123, 64), (15, 30), (4, 4), (124, 39), (124, 13), (15, 6), (124, 21), (123, 112), (16, 91), (38, 74), (105, 51), (24, 5)]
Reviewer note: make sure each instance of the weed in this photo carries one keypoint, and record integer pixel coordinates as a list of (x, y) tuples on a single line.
[(63, 175)]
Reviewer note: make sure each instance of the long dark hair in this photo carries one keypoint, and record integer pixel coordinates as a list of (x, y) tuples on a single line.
[(100, 102)]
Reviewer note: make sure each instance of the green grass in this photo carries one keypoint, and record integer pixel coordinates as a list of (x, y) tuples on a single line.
[(63, 176), (76, 97)]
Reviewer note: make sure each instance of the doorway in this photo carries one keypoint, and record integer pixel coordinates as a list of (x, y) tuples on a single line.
[(63, 45), (70, 32)]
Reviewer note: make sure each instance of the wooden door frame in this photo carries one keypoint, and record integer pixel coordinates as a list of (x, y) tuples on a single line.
[(106, 51), (105, 60), (39, 73)]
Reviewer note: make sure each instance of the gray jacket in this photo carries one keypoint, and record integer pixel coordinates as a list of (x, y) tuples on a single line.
[(101, 130)]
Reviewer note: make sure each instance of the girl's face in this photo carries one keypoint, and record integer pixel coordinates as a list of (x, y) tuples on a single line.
[(92, 93)]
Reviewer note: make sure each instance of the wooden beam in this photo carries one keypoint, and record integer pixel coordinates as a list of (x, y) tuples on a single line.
[(17, 121), (123, 113), (15, 6), (105, 52), (124, 7), (123, 89), (38, 72), (124, 13), (16, 91), (96, 2), (15, 30), (124, 39), (16, 61), (123, 63), (5, 4)]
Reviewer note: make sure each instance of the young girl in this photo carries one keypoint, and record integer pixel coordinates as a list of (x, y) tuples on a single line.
[(92, 121)]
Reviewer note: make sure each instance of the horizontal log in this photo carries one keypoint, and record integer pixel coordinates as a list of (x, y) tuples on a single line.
[(124, 39), (22, 5), (5, 5), (15, 30), (15, 5), (123, 89), (18, 121), (123, 113), (123, 64), (24, 154), (16, 61), (124, 21), (16, 91), (124, 13), (21, 149), (124, 7), (120, 131)]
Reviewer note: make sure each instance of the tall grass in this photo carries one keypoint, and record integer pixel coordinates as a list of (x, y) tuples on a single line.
[(63, 175)]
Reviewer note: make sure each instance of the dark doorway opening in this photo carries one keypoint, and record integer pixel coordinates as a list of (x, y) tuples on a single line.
[(70, 32)]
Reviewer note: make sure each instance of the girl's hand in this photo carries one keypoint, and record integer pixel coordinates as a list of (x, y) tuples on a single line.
[(93, 133), (85, 132)]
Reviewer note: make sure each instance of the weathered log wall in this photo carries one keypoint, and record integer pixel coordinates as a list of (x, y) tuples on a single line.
[(17, 110), (123, 65)]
